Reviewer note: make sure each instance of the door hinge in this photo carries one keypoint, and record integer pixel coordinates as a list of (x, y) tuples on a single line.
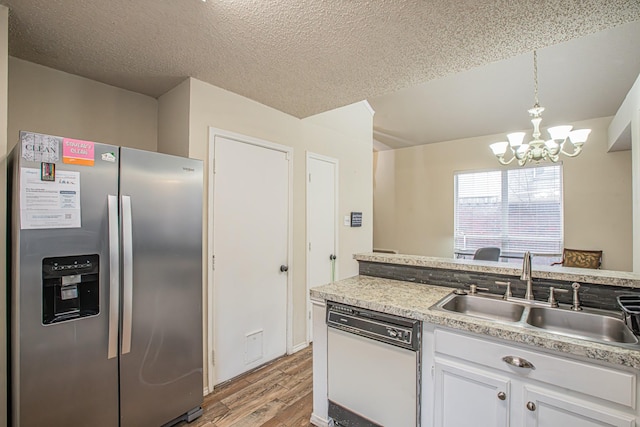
[(213, 357), (213, 262), (309, 177), (309, 245), (433, 371)]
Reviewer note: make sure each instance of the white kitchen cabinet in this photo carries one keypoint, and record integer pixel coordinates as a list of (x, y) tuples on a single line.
[(465, 396), (471, 379), (547, 409)]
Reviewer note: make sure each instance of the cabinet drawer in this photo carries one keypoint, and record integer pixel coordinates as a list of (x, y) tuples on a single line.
[(593, 380)]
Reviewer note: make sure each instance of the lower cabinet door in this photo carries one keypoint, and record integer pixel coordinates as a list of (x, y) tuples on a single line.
[(466, 396), (543, 408)]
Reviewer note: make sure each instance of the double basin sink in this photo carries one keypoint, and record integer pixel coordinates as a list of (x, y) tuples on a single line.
[(590, 324)]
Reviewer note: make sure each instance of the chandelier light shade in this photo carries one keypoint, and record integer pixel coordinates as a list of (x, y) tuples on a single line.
[(562, 139)]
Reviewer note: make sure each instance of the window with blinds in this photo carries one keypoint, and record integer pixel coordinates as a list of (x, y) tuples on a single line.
[(516, 210)]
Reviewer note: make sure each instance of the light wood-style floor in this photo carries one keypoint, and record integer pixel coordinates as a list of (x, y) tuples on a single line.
[(276, 395)]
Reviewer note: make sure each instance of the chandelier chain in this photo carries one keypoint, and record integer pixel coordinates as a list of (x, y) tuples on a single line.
[(538, 149), (535, 78)]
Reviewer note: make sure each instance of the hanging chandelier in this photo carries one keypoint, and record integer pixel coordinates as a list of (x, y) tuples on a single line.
[(539, 149)]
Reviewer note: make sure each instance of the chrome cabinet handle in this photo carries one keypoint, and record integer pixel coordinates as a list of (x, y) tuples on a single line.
[(114, 276), (502, 395), (284, 268), (531, 406), (518, 362)]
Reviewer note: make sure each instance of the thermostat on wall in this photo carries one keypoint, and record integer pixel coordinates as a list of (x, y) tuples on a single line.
[(356, 219)]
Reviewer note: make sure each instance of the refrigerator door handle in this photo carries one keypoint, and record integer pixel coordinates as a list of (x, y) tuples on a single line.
[(114, 276), (127, 270)]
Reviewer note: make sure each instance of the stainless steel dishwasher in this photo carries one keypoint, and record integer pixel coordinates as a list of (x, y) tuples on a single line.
[(373, 365)]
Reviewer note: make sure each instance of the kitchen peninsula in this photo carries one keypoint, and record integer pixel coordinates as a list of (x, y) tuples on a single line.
[(463, 356)]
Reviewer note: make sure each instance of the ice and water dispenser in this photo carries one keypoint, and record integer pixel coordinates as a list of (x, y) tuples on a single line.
[(70, 288)]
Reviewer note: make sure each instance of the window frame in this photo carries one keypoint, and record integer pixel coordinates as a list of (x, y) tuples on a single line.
[(504, 191)]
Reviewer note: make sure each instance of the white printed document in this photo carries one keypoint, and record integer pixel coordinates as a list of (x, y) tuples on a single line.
[(49, 204)]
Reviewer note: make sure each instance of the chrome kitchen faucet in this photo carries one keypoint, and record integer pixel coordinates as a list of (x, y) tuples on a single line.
[(526, 275)]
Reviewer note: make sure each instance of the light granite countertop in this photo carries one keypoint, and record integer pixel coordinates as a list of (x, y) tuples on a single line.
[(581, 275), (415, 300)]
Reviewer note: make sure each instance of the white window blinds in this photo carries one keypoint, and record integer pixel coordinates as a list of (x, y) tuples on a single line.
[(516, 210)]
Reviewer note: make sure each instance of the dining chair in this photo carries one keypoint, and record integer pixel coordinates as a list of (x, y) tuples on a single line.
[(487, 254)]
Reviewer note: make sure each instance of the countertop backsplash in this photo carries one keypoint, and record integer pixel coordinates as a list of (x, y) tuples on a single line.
[(462, 273)]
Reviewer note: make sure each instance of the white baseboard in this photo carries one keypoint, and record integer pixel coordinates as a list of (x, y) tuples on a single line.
[(318, 421), (299, 347), (205, 391)]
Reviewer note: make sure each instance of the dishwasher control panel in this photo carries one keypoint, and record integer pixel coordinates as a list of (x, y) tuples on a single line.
[(387, 328)]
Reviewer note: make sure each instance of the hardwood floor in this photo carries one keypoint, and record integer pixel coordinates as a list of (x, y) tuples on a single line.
[(276, 395)]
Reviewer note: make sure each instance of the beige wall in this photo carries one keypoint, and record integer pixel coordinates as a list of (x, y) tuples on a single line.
[(322, 134), (4, 16), (45, 100), (173, 121), (413, 196), (624, 131)]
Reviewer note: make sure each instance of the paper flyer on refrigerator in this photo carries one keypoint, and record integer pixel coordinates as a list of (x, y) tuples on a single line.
[(49, 204)]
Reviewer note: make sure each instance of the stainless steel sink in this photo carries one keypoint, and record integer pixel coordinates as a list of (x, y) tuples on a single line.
[(485, 307), (597, 326), (591, 324)]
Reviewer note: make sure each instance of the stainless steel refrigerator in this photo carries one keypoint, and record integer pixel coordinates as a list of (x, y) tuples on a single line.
[(105, 285)]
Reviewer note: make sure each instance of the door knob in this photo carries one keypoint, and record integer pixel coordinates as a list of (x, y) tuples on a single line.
[(502, 395), (284, 268), (332, 257), (531, 406)]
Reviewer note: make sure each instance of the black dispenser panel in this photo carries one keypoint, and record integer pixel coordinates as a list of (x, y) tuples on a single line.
[(70, 288)]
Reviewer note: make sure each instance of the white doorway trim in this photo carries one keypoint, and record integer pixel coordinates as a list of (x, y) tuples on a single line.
[(211, 343), (309, 157)]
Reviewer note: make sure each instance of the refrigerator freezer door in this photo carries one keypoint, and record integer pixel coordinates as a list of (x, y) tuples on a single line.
[(161, 370), (61, 373)]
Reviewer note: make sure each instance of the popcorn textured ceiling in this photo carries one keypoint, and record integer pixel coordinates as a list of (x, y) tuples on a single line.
[(301, 57)]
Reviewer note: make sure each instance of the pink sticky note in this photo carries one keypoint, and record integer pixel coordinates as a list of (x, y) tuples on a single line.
[(78, 152)]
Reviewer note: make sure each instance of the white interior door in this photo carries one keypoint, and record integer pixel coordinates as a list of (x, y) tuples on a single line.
[(250, 244), (321, 224)]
